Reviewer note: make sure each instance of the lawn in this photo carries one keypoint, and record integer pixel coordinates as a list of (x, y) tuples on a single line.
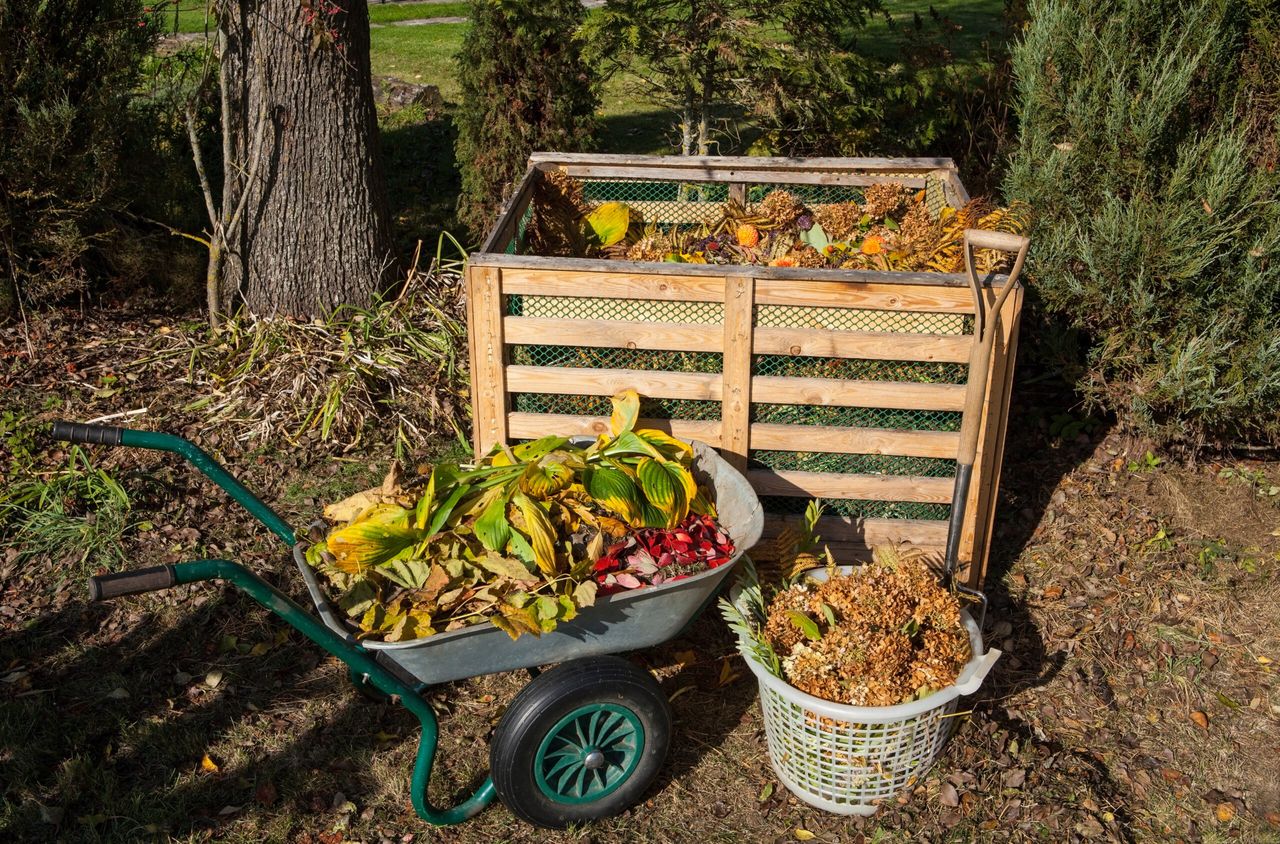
[(190, 15)]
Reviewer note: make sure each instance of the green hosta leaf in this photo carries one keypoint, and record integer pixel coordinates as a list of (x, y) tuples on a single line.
[(891, 224), (829, 614), (442, 513), (667, 486), (546, 477), (608, 223), (382, 533), (520, 546), (492, 528), (506, 567), (626, 410), (628, 443), (422, 513), (815, 237), (805, 625), (614, 490), (542, 534), (410, 574)]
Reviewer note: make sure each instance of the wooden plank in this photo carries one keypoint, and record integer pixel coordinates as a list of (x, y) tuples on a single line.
[(979, 529), (489, 397), (869, 345), (723, 174), (508, 222), (584, 381), (586, 267), (614, 284), (739, 321), (743, 162), (473, 363), (530, 426), (924, 533), (836, 440), (614, 334), (864, 487), (838, 392), (882, 297)]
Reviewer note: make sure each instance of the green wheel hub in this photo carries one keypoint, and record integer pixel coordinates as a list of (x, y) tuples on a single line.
[(589, 753)]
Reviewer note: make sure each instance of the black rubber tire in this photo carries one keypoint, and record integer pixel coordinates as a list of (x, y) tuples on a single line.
[(554, 695)]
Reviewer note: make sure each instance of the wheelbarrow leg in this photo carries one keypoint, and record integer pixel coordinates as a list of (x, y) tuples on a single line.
[(358, 660)]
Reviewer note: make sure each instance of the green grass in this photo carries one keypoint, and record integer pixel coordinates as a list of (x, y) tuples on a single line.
[(191, 13), (422, 54), (977, 21)]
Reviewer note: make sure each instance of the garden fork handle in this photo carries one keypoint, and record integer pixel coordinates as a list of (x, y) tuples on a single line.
[(984, 336)]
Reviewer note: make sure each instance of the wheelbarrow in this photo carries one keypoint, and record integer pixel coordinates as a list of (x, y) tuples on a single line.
[(582, 741)]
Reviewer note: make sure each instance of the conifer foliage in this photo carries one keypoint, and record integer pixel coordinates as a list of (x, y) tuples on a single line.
[(524, 87), (1144, 155)]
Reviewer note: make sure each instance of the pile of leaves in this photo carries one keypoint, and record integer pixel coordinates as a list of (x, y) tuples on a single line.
[(892, 229), (525, 539), (884, 634)]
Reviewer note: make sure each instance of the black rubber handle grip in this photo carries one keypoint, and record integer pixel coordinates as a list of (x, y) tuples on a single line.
[(77, 432), (104, 587)]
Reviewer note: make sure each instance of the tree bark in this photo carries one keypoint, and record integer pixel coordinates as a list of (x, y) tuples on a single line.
[(302, 160)]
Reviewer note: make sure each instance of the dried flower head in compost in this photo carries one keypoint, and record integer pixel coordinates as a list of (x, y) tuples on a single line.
[(782, 207), (882, 199), (840, 220)]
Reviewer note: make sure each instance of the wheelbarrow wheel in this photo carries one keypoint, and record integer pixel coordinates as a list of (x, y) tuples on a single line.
[(582, 741)]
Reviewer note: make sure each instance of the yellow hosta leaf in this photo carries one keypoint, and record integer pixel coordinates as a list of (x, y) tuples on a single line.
[(380, 534), (542, 534), (626, 410), (546, 477), (609, 222), (350, 508), (667, 445)]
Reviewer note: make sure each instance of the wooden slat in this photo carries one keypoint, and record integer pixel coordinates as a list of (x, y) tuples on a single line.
[(509, 220), (613, 334), (834, 440), (556, 267), (727, 174), (738, 383), (523, 426), (837, 392), (869, 345), (614, 285), (489, 405), (925, 533), (864, 487), (884, 297), (584, 381), (642, 163)]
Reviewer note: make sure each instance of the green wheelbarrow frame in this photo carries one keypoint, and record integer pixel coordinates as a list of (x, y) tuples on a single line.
[(583, 647)]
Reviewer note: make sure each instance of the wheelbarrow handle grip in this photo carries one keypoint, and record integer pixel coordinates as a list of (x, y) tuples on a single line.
[(78, 432), (104, 587)]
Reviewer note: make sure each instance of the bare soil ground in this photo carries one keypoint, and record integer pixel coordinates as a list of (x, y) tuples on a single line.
[(1135, 600)]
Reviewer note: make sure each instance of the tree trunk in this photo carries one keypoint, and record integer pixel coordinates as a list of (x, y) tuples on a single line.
[(301, 137)]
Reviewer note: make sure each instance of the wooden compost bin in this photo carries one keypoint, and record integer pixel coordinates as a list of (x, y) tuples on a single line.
[(838, 384)]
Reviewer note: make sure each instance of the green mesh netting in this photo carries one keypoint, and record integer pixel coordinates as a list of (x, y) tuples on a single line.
[(859, 369), (858, 319), (857, 509), (639, 359), (857, 417), (650, 408), (633, 310), (854, 464)]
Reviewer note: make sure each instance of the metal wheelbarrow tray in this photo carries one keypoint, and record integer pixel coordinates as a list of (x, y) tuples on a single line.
[(581, 741)]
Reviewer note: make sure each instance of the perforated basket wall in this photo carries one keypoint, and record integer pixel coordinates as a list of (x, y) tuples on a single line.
[(839, 385)]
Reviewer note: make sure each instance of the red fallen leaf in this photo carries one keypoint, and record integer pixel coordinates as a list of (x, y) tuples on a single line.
[(266, 793)]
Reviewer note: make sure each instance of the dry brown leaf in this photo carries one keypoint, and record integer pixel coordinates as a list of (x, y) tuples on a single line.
[(947, 796), (1201, 720)]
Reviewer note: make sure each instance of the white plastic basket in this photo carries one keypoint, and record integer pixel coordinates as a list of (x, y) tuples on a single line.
[(845, 759)]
